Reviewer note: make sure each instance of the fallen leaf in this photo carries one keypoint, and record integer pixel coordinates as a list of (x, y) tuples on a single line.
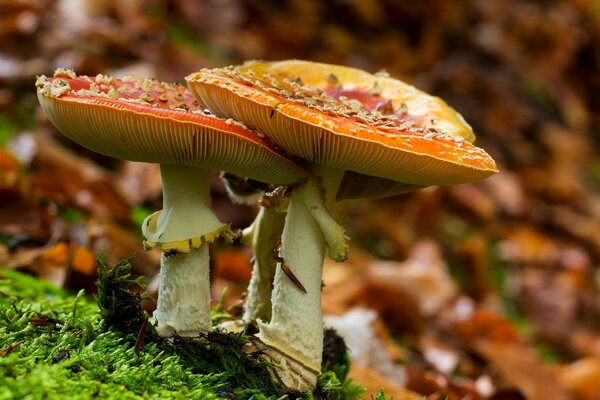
[(520, 367), (57, 254), (582, 377), (374, 382), (549, 300), (7, 350), (435, 385), (89, 187), (233, 264), (485, 324), (118, 243), (83, 261), (139, 182), (406, 292)]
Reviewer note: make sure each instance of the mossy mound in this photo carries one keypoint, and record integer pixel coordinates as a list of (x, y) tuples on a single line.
[(54, 345)]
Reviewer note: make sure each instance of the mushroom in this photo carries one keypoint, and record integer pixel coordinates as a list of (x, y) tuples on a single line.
[(150, 121), (264, 236), (346, 131)]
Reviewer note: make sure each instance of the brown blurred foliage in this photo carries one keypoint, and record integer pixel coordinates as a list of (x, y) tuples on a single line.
[(480, 282)]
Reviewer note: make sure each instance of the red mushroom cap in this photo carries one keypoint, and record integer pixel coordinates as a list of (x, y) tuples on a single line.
[(151, 121)]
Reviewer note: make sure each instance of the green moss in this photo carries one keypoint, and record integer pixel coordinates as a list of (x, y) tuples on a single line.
[(55, 345), (52, 345), (119, 299)]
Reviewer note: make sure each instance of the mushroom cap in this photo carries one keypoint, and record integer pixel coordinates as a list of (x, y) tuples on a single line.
[(376, 92), (307, 109), (151, 121)]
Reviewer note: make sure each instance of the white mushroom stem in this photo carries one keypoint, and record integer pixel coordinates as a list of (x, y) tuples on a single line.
[(181, 230), (296, 326), (183, 306), (266, 233)]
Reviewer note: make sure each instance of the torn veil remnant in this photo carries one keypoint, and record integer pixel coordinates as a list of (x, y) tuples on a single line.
[(364, 135), (150, 121)]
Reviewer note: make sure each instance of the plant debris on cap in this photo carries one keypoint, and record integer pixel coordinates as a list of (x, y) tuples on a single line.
[(347, 127), (151, 121)]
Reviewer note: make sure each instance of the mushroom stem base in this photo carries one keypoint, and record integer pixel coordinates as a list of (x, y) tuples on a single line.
[(296, 326), (288, 371), (184, 295)]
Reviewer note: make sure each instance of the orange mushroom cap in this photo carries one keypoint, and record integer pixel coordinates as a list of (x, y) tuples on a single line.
[(151, 121), (348, 119)]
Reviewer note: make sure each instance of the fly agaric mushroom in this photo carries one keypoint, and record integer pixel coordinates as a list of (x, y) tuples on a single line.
[(308, 109), (263, 235), (150, 121)]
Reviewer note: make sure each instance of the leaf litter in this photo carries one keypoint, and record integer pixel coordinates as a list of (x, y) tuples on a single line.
[(503, 297)]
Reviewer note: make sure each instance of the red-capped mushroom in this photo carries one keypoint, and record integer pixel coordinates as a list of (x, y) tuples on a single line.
[(346, 122), (150, 121)]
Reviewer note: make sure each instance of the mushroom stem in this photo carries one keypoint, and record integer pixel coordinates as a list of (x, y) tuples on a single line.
[(296, 326), (318, 208), (183, 306), (181, 230), (266, 234)]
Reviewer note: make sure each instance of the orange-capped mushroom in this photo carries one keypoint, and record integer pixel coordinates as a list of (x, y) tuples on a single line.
[(150, 121), (316, 120), (364, 135)]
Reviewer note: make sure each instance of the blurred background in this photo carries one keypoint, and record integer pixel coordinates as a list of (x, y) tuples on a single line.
[(487, 290)]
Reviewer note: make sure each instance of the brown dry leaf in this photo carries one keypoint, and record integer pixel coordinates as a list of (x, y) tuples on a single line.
[(233, 265), (474, 199), (83, 261), (22, 219), (88, 186), (582, 377), (374, 382), (525, 245), (473, 256), (435, 385), (21, 257), (20, 216), (399, 309), (10, 170), (549, 301), (520, 367), (506, 189), (554, 181), (370, 218), (49, 267), (476, 324), (51, 263), (119, 243), (585, 342), (582, 226), (56, 254), (406, 292), (139, 182), (78, 258), (7, 350), (341, 283)]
